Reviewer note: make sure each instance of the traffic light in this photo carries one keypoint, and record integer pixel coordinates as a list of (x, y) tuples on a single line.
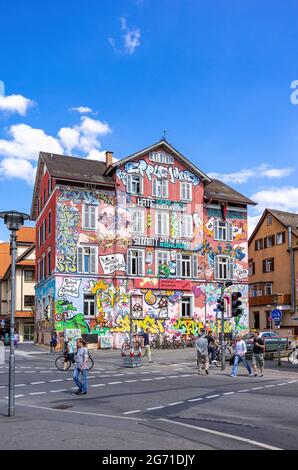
[(220, 304), (236, 304)]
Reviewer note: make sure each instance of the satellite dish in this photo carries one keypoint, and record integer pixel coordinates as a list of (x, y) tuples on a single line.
[(2, 88)]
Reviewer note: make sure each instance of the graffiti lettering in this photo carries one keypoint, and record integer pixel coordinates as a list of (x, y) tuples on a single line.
[(141, 168)]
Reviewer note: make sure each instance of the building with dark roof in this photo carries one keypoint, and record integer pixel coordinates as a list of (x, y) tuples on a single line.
[(273, 271), (149, 235)]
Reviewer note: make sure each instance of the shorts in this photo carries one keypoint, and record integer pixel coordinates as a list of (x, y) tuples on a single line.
[(258, 359)]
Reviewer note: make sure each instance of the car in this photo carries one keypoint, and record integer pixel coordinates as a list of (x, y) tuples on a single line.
[(273, 341)]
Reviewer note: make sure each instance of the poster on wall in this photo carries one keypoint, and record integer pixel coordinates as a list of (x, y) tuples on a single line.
[(70, 286), (112, 263)]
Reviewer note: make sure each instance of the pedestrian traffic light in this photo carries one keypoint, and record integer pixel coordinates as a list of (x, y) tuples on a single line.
[(220, 304), (236, 304)]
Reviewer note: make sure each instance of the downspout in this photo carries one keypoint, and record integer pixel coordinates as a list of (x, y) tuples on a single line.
[(291, 251)]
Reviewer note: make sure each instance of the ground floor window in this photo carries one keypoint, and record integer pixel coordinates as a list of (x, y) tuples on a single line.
[(186, 306), (89, 305)]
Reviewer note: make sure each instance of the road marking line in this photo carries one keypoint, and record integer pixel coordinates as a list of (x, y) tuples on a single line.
[(173, 376), (84, 413), (268, 386), (130, 412), (257, 388), (242, 391), (18, 396), (155, 407), (113, 383), (29, 371), (292, 381), (37, 393), (284, 383), (176, 403), (223, 434), (57, 391), (130, 380), (36, 383), (195, 399), (228, 393), (212, 396), (97, 385), (46, 371), (56, 380), (20, 385), (145, 380), (185, 375), (159, 378)]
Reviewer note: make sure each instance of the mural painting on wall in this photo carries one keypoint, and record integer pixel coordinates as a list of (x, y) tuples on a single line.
[(68, 218)]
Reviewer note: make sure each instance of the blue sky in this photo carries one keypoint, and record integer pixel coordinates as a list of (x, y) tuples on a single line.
[(216, 75)]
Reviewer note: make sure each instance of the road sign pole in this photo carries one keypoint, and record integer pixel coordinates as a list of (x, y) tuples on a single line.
[(223, 359)]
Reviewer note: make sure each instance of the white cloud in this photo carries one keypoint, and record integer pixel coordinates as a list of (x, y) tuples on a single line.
[(70, 138), (130, 38), (252, 222), (243, 175), (99, 155), (15, 104), (17, 168), (82, 110), (85, 136)]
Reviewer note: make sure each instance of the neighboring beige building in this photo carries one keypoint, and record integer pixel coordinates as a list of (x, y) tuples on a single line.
[(25, 282), (273, 271)]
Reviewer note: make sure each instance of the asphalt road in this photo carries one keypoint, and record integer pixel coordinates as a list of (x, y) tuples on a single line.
[(165, 405)]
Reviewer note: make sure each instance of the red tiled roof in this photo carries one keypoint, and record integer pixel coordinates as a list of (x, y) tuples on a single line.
[(4, 258), (26, 234)]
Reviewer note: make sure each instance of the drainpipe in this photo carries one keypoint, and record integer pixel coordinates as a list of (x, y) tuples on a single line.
[(292, 254)]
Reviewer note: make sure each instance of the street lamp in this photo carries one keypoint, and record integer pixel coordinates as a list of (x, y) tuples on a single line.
[(13, 221)]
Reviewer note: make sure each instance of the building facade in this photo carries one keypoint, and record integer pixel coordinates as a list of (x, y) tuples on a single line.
[(149, 236), (25, 283), (273, 273)]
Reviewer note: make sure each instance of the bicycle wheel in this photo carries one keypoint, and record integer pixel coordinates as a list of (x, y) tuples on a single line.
[(90, 363), (61, 364)]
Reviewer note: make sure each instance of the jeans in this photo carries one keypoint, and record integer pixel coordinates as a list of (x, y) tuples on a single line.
[(147, 352), (211, 351), (81, 385), (238, 359)]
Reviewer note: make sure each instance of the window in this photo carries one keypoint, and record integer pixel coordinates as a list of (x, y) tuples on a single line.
[(134, 184), (49, 263), (28, 275), (223, 231), (43, 231), (185, 191), (50, 186), (89, 305), (87, 260), (89, 217), (268, 265), (251, 268), (38, 270), (268, 288), (269, 241), (186, 265), (39, 237), (259, 244), (280, 238), (138, 221), (161, 157), (135, 265), (44, 196), (186, 225), (223, 267), (29, 300), (162, 263), (269, 220), (186, 306), (162, 223), (160, 188), (50, 223), (43, 267)]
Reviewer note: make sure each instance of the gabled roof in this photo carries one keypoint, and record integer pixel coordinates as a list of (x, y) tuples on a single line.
[(23, 236), (4, 258), (222, 192), (26, 235), (169, 148), (287, 219)]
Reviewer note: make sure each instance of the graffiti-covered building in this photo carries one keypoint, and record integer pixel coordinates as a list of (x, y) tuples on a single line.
[(150, 235)]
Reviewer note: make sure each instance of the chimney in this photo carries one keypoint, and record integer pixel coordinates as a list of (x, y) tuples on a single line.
[(109, 158)]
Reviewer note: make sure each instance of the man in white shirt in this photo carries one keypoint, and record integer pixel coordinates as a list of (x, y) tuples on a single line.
[(240, 350)]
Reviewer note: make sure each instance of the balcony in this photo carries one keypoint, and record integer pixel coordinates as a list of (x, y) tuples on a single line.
[(280, 299)]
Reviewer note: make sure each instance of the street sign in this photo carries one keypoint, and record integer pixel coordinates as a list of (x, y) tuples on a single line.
[(276, 315)]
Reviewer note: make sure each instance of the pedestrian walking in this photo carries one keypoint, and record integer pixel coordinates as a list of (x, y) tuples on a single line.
[(258, 354), (69, 352), (211, 347), (81, 359), (146, 344), (240, 351), (202, 353), (53, 341)]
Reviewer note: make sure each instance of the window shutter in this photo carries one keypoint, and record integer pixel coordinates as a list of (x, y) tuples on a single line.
[(165, 189), (128, 268), (216, 229), (194, 266), (178, 265), (273, 241), (86, 216), (231, 268), (80, 260), (93, 260), (265, 242), (154, 187), (264, 265), (129, 185), (272, 264), (230, 232), (140, 263), (92, 221), (256, 245), (216, 273)]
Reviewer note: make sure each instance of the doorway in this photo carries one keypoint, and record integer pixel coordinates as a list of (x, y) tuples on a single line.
[(29, 332)]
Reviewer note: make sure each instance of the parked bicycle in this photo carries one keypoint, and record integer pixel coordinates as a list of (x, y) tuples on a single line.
[(62, 363)]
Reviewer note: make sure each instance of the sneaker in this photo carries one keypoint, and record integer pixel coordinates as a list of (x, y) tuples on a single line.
[(150, 362), (251, 375), (83, 393), (78, 392), (255, 375), (207, 371), (200, 373), (261, 375), (232, 375)]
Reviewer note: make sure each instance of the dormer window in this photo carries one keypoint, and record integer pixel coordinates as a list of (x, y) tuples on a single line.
[(161, 157)]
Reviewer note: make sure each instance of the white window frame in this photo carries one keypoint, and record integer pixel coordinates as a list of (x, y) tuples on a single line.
[(218, 262), (129, 262), (186, 221), (129, 186), (160, 188), (270, 290), (90, 208), (191, 297), (81, 255), (223, 231), (134, 219), (43, 267), (89, 301), (164, 226), (185, 191), (163, 253), (277, 238), (49, 258), (161, 157)]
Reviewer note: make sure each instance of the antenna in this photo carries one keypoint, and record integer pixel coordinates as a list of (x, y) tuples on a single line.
[(164, 136)]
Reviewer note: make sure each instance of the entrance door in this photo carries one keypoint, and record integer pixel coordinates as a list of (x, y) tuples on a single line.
[(29, 332)]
